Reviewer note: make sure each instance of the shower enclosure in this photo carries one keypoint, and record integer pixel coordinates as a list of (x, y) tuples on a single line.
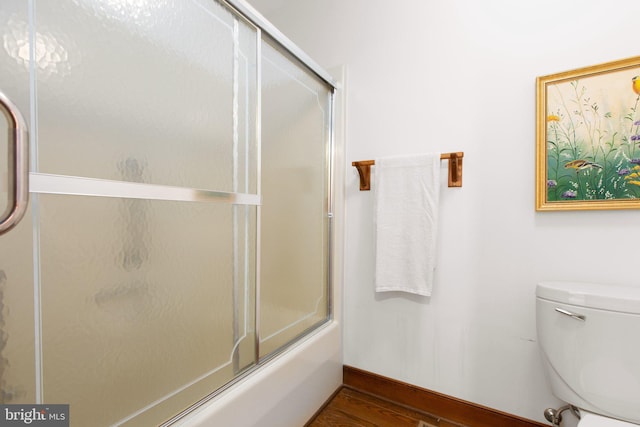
[(178, 167)]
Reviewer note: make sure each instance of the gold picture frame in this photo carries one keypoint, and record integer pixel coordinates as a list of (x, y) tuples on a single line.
[(588, 138)]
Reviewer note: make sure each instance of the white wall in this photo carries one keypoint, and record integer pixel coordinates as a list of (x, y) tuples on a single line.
[(427, 75)]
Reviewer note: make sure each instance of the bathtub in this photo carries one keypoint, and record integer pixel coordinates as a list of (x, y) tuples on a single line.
[(284, 392)]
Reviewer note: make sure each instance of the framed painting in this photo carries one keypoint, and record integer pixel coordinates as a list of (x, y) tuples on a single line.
[(588, 138)]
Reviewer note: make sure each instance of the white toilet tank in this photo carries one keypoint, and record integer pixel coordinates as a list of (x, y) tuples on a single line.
[(589, 336)]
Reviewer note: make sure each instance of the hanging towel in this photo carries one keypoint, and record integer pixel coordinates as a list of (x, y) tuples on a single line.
[(406, 196)]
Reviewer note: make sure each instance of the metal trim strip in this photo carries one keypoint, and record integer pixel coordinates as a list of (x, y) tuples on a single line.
[(261, 22), (82, 186)]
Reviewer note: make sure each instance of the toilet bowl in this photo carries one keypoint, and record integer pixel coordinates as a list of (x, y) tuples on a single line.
[(588, 419), (589, 338)]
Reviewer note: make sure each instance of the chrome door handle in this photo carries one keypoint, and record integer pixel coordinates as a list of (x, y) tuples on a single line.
[(572, 315), (18, 173)]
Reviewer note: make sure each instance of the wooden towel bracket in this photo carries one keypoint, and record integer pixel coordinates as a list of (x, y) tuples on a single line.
[(455, 170)]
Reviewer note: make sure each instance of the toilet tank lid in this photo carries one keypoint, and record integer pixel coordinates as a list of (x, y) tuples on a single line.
[(606, 297)]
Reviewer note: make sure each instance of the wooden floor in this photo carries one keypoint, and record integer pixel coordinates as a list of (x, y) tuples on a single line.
[(350, 407)]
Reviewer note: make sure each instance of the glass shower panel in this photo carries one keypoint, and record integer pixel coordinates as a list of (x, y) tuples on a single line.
[(245, 153), (169, 84), (146, 305), (137, 312), (17, 370), (295, 135), (126, 291)]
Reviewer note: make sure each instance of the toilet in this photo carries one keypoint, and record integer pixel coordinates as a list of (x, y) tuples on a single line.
[(589, 337)]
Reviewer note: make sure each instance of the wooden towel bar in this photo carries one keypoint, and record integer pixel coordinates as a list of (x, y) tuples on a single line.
[(455, 170)]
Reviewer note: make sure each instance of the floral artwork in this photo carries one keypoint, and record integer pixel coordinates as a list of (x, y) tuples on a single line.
[(589, 138)]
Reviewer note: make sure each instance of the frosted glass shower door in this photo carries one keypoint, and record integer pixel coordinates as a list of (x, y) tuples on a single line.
[(296, 131), (131, 282)]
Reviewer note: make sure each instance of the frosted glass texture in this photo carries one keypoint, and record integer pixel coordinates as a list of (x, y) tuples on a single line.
[(152, 304), (129, 309), (17, 370), (163, 292), (170, 84), (296, 114), (135, 297)]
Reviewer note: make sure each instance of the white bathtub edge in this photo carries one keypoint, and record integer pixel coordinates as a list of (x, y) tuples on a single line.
[(287, 391)]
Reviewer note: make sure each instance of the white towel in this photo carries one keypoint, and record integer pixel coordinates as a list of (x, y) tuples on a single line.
[(406, 190)]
